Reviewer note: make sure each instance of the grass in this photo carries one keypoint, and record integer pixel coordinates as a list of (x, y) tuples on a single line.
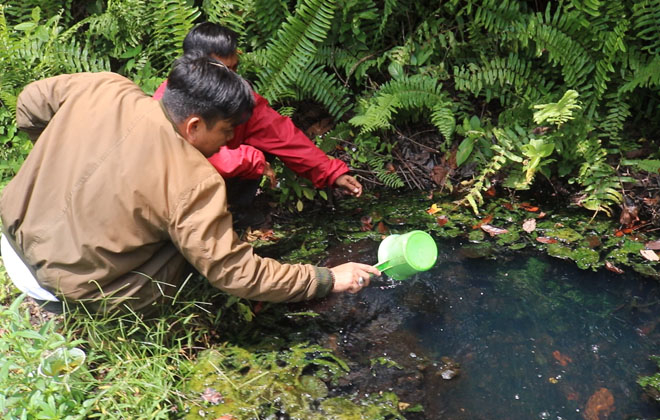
[(138, 368), (134, 367)]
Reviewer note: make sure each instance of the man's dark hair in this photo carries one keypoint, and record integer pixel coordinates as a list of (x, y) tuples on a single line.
[(210, 38), (206, 87)]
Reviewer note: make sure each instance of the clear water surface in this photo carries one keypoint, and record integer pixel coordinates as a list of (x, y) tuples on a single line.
[(532, 337)]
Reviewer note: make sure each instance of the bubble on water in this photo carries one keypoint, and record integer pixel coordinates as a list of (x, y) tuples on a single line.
[(516, 396), (413, 355), (544, 415), (595, 348)]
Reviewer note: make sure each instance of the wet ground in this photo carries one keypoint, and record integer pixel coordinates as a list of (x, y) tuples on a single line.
[(531, 337)]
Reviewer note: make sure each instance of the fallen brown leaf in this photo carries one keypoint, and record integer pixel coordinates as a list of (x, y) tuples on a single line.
[(212, 396), (561, 358), (651, 201), (442, 220), (434, 209), (546, 240), (600, 405), (613, 267), (652, 245), (492, 230), (529, 225), (382, 228), (649, 254), (366, 224), (483, 221)]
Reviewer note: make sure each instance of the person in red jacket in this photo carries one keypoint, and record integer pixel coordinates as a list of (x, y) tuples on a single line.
[(242, 162)]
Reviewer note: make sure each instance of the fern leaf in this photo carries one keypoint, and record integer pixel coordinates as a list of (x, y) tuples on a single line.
[(172, 20), (325, 89), (295, 47), (646, 18), (557, 112)]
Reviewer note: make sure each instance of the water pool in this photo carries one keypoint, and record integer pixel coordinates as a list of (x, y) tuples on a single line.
[(530, 337)]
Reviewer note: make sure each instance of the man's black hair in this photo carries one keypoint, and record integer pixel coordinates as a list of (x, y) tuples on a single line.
[(210, 38), (206, 87)]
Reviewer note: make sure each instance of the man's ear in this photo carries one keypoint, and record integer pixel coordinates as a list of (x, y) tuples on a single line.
[(191, 126)]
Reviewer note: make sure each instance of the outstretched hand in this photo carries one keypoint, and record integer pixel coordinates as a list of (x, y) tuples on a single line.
[(349, 184), (269, 172), (352, 277)]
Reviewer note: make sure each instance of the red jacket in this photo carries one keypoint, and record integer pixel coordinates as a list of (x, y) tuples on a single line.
[(268, 131)]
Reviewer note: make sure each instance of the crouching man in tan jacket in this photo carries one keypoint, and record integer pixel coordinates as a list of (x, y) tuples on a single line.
[(117, 202)]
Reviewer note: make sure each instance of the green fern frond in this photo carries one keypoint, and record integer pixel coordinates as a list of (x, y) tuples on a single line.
[(269, 16), (617, 112), (601, 184), (559, 37), (557, 112), (377, 165), (171, 20), (75, 58), (502, 78), (230, 13), (646, 21), (414, 92), (295, 47), (647, 75), (326, 90), (591, 7), (124, 25), (601, 187), (497, 16), (388, 7), (443, 117)]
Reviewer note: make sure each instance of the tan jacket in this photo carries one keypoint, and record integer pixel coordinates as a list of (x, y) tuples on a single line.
[(110, 182)]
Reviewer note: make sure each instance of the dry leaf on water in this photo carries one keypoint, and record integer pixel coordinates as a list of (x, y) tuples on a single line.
[(649, 254), (600, 405), (529, 225), (212, 396), (546, 240), (483, 221), (366, 224), (263, 235), (529, 207), (442, 220), (382, 229), (613, 267), (492, 230), (434, 209), (561, 358), (652, 245)]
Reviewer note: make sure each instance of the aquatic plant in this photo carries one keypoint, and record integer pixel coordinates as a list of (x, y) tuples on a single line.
[(296, 382)]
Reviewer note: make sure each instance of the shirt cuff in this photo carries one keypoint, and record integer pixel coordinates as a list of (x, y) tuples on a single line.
[(325, 280)]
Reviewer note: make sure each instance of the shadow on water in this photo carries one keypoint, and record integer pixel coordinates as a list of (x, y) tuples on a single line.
[(526, 338)]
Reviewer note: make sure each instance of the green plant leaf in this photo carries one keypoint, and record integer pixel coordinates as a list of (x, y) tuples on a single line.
[(464, 150)]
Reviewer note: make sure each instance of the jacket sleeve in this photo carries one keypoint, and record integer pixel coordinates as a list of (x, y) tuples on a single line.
[(158, 94), (201, 227), (243, 162), (273, 133), (38, 102)]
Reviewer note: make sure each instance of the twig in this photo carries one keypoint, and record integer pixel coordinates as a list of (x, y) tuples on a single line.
[(430, 149)]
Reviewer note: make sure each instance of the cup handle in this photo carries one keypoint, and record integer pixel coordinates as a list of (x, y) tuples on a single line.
[(382, 266)]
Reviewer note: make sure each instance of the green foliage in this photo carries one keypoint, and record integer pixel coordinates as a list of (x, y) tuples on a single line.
[(652, 382), (402, 62), (557, 112), (25, 392), (416, 92), (293, 382)]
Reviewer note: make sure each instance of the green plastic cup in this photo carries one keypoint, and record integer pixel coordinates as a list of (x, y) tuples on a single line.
[(401, 256)]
